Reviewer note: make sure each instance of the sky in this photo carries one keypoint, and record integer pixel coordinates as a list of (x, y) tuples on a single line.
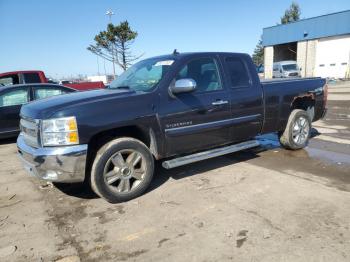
[(52, 35)]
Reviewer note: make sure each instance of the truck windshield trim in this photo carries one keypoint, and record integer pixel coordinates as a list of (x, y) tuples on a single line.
[(144, 75)]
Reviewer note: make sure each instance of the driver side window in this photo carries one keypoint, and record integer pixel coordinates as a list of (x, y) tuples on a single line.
[(204, 71)]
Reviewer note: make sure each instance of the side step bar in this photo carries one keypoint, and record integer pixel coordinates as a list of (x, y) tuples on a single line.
[(184, 160)]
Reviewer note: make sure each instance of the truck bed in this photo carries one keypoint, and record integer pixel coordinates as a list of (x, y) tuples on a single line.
[(281, 94)]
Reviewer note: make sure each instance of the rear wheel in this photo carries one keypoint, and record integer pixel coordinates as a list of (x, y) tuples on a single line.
[(122, 170), (297, 132)]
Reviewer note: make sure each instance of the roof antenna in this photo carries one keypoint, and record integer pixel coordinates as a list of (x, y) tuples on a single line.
[(175, 52)]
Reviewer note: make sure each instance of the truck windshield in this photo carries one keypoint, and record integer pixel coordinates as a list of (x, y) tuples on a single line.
[(143, 76), (290, 67)]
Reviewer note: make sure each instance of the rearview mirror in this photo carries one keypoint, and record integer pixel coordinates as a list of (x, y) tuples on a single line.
[(183, 86)]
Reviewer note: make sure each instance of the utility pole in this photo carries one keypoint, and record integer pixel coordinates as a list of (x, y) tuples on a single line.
[(98, 66), (110, 13)]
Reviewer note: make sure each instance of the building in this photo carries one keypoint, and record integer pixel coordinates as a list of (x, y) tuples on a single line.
[(104, 78), (320, 45)]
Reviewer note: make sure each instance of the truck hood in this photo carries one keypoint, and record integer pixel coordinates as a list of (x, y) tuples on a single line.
[(45, 108)]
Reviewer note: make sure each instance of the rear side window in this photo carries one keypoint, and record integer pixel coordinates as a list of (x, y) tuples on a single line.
[(31, 78), (9, 80), (14, 97), (40, 93), (238, 72)]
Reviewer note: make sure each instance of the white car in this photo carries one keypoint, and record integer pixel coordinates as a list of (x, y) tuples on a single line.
[(284, 69)]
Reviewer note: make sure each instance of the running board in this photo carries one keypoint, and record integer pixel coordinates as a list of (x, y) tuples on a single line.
[(209, 154)]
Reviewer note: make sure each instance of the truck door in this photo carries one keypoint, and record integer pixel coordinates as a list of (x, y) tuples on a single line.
[(246, 97), (199, 119)]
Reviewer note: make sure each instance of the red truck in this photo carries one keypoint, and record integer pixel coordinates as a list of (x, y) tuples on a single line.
[(36, 76)]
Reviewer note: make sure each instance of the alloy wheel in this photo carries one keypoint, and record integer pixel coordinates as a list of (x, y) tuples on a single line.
[(301, 130), (124, 171)]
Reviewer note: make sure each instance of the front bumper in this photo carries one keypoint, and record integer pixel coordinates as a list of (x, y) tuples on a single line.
[(56, 164)]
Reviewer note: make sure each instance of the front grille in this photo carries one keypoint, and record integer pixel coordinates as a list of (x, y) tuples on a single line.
[(30, 131), (293, 74)]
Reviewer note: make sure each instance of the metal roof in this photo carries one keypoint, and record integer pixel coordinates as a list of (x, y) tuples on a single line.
[(311, 28)]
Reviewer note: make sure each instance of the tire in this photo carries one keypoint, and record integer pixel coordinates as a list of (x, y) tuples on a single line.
[(297, 132), (122, 170)]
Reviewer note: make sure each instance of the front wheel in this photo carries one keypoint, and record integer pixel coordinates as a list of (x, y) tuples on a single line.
[(297, 132), (122, 170)]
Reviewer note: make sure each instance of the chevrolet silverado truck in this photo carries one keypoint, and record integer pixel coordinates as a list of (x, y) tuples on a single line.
[(178, 109)]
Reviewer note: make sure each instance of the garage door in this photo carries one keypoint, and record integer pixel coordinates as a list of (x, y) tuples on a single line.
[(333, 57)]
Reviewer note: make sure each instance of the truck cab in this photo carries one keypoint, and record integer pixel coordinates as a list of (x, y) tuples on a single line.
[(22, 77), (36, 76)]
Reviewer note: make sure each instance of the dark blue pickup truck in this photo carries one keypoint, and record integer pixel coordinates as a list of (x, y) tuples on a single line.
[(177, 108)]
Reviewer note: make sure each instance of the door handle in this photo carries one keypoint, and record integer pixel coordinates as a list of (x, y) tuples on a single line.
[(219, 102)]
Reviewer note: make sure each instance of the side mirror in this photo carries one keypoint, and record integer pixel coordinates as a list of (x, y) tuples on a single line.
[(280, 70), (185, 85)]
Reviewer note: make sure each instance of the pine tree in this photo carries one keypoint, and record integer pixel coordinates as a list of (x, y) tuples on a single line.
[(292, 14), (114, 45), (258, 55)]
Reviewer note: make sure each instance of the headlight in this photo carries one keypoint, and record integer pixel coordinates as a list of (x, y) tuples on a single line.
[(59, 131)]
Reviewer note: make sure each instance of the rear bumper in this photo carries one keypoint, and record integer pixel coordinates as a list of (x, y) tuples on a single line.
[(56, 164)]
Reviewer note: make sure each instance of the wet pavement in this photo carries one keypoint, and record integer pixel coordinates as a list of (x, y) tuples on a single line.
[(263, 204)]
